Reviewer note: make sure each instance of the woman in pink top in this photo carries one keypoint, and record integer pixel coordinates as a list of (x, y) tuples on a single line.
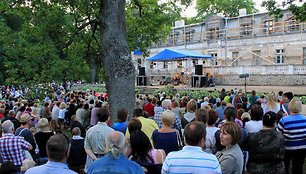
[(142, 150)]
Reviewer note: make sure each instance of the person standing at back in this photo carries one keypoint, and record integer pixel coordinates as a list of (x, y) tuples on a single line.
[(23, 130), (95, 135), (192, 159)]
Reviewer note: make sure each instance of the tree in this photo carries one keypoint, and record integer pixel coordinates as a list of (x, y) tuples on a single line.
[(229, 8), (63, 40), (275, 9)]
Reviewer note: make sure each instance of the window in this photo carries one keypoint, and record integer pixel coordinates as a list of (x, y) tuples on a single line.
[(269, 26), (293, 25), (172, 39), (235, 58), (246, 29), (304, 55), (214, 60), (256, 57), (165, 65), (194, 62), (188, 34), (279, 56), (180, 64), (151, 65), (212, 33), (139, 61)]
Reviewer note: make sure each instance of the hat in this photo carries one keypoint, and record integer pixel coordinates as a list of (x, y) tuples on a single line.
[(24, 118)]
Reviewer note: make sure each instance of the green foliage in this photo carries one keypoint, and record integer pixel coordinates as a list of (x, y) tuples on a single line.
[(229, 8), (97, 88), (60, 39), (149, 24), (196, 94), (303, 99), (275, 9)]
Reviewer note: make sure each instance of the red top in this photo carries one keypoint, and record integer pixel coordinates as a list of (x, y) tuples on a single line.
[(149, 107)]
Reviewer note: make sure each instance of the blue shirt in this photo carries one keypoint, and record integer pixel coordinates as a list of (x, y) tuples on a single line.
[(220, 111), (121, 126), (294, 129), (110, 165), (51, 167), (192, 160)]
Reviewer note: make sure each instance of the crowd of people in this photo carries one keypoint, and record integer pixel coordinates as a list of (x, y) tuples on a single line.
[(232, 134)]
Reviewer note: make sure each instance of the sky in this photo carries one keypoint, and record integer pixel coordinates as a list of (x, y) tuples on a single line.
[(191, 12)]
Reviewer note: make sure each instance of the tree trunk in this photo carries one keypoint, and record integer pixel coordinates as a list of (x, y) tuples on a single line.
[(116, 56), (93, 69)]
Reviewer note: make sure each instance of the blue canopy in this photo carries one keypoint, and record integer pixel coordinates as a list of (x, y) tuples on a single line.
[(170, 54)]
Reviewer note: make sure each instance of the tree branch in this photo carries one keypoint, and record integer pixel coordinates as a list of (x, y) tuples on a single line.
[(139, 7), (79, 29)]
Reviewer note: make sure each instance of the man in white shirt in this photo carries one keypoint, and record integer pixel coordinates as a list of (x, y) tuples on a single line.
[(192, 159)]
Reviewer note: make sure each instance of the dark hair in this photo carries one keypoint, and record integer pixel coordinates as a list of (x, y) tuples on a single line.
[(201, 115), (219, 104), (122, 115), (269, 119), (91, 101), (230, 113), (253, 93), (22, 109), (289, 95), (8, 167), (138, 112), (280, 93), (46, 104), (102, 115), (256, 112), (98, 105), (240, 112), (80, 105), (86, 106), (279, 115), (57, 147), (141, 146), (212, 117), (239, 106), (233, 129), (134, 124), (194, 132)]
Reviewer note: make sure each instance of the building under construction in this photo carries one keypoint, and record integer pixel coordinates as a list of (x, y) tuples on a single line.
[(272, 51)]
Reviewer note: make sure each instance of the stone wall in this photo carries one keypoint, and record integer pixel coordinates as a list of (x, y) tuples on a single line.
[(263, 80)]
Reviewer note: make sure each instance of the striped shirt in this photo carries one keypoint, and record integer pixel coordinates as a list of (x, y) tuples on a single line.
[(192, 160), (293, 127)]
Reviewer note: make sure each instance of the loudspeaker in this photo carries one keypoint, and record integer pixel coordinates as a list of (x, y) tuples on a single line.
[(244, 75), (198, 70), (142, 81), (142, 71), (199, 81)]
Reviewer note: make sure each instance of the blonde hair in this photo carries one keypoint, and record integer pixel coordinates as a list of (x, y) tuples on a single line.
[(207, 108), (245, 115), (295, 106), (272, 100), (62, 105), (167, 117), (192, 106), (42, 123)]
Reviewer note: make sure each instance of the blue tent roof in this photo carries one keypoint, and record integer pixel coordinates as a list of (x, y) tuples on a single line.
[(170, 54)]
